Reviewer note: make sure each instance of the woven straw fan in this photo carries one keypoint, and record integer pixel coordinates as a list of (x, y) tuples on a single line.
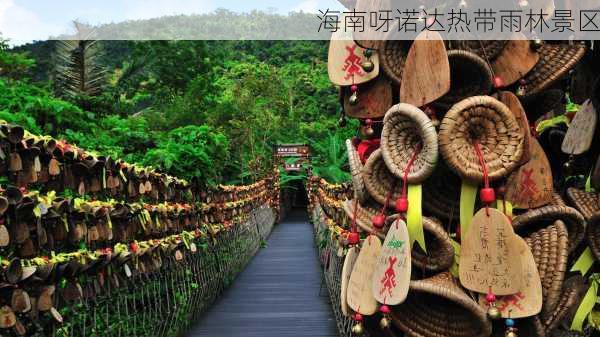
[(427, 70)]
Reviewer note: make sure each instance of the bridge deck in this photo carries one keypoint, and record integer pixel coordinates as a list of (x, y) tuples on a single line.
[(278, 293)]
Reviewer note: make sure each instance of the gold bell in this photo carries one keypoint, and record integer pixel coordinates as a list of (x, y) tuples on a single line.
[(368, 131), (368, 66), (384, 323), (358, 329), (353, 99), (511, 334), (493, 312), (536, 44)]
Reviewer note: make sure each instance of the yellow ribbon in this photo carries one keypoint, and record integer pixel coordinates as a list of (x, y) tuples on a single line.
[(454, 268), (548, 123), (586, 306), (468, 194), (584, 262), (414, 216)]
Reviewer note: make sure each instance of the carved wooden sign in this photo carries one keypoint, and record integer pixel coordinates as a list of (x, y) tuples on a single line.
[(391, 278), (528, 301), (426, 74), (580, 134), (346, 271), (489, 257), (346, 59), (360, 297), (531, 185)]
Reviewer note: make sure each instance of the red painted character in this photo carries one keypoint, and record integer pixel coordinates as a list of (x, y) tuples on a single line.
[(389, 279), (528, 186), (352, 63), (512, 300)]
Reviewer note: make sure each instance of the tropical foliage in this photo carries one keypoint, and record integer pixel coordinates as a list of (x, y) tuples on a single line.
[(205, 109)]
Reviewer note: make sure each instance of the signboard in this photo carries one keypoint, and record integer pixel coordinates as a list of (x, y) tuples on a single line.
[(292, 150)]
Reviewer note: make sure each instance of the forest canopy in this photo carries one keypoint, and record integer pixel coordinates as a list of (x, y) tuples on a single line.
[(196, 109)]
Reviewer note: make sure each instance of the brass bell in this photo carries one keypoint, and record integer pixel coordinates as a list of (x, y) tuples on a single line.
[(358, 329), (368, 66), (342, 121), (511, 334), (384, 323), (368, 131), (493, 312), (353, 100), (536, 44)]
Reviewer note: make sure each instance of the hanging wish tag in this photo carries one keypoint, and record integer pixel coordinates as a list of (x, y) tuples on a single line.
[(531, 185), (512, 102), (391, 278), (581, 130), (374, 99), (53, 167), (516, 60), (489, 259), (426, 74), (349, 262), (360, 297), (346, 61), (528, 301), (15, 164), (4, 236)]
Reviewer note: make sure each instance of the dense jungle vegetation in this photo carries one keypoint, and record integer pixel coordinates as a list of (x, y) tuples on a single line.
[(205, 109)]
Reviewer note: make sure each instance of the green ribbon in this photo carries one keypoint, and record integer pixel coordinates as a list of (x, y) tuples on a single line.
[(584, 262), (548, 123), (468, 194), (414, 216), (454, 268), (588, 184), (587, 305), (501, 204)]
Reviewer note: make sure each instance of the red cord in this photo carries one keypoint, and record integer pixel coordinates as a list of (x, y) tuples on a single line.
[(486, 178), (411, 162)]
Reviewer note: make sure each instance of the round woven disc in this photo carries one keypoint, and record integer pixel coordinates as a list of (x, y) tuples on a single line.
[(356, 169), (486, 49), (588, 203), (441, 193), (574, 288), (593, 234), (470, 75), (555, 61), (392, 58), (485, 120), (542, 102), (437, 306), (406, 128), (545, 215), (379, 181)]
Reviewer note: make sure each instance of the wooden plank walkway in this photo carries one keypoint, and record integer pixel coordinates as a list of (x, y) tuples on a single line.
[(278, 293)]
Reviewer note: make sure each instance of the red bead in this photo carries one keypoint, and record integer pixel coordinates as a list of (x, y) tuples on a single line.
[(379, 221), (487, 195), (385, 309), (368, 121), (353, 238), (522, 82), (358, 317), (498, 82), (401, 205), (133, 247), (354, 88), (355, 141), (490, 298)]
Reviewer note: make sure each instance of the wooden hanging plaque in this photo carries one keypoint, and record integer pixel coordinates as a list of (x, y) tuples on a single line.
[(4, 236), (426, 74), (488, 256), (349, 261), (391, 278), (512, 102), (374, 99), (345, 61), (531, 185), (515, 61), (528, 301), (581, 131), (360, 297)]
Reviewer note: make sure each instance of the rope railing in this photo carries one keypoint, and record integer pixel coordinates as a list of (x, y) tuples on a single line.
[(92, 246)]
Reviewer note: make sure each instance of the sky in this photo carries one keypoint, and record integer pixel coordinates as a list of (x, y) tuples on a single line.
[(23, 21)]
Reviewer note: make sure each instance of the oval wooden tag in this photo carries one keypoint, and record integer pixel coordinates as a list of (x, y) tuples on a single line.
[(7, 317), (374, 99), (391, 278), (515, 61), (426, 74), (345, 61), (489, 258), (512, 102), (349, 261), (531, 185), (528, 301), (4, 236), (581, 130), (53, 167), (360, 297)]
